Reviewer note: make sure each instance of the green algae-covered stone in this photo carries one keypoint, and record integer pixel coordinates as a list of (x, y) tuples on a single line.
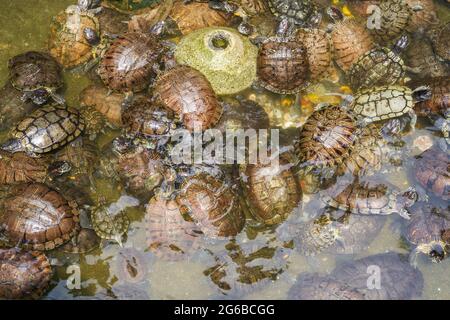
[(227, 59)]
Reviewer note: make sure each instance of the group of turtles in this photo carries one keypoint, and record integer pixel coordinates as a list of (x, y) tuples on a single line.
[(146, 83)]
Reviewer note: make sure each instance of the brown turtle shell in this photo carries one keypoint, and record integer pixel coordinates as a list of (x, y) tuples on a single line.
[(128, 64), (39, 218), (350, 41), (326, 137), (188, 93), (395, 18), (169, 235), (85, 241), (12, 106), (282, 65), (424, 18), (440, 99), (23, 275), (432, 171), (212, 205), (318, 50), (440, 38), (19, 167), (272, 191)]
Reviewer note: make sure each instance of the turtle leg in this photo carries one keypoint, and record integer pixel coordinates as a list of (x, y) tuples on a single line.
[(59, 99), (413, 256), (404, 214), (413, 121)]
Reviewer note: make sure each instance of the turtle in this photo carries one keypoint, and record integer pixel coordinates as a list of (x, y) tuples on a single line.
[(432, 171), (75, 35), (12, 106), (379, 66), (387, 102), (23, 274), (45, 129), (131, 266), (110, 104), (94, 121), (84, 242), (37, 217), (300, 12), (188, 93), (111, 22), (314, 286), (440, 38), (282, 65), (326, 138), (424, 232), (318, 50), (369, 198), (212, 205), (169, 236), (349, 39), (423, 15), (397, 280), (271, 190), (38, 75), (130, 62), (19, 168)]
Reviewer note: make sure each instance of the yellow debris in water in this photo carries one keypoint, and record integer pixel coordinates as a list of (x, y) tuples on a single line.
[(335, 2), (346, 11), (346, 89), (287, 102)]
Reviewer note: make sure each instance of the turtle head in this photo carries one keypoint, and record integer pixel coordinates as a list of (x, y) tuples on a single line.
[(58, 168), (401, 44), (437, 251), (334, 14), (121, 145), (422, 93), (12, 145), (39, 96), (408, 198), (88, 4), (224, 6), (91, 36), (285, 27)]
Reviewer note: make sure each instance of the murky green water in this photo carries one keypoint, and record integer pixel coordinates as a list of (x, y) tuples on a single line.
[(25, 26)]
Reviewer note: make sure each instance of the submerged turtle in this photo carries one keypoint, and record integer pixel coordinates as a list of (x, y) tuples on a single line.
[(84, 242), (23, 275), (313, 286), (379, 66), (46, 129), (440, 38), (387, 102), (432, 171), (169, 235), (243, 114), (37, 75), (12, 106), (424, 232), (271, 190), (188, 93), (299, 12), (131, 266), (37, 217), (212, 205), (370, 198), (398, 280), (423, 15)]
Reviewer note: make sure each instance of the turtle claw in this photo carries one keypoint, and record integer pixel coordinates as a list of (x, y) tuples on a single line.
[(404, 214)]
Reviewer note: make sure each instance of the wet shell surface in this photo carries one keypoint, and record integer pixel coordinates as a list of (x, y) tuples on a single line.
[(109, 225), (440, 38), (18, 167), (395, 18), (12, 106), (424, 18), (301, 12), (23, 275), (189, 94), (439, 102), (39, 218), (84, 242)]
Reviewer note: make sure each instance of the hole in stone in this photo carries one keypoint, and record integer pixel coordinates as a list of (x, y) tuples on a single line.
[(220, 42)]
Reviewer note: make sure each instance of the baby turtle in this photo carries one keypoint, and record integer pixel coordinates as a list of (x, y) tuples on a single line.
[(212, 205), (271, 190), (300, 12), (432, 171), (424, 232), (243, 114), (326, 138), (379, 66), (282, 65), (398, 280), (37, 75), (440, 38), (12, 106), (129, 63), (395, 17), (387, 102), (169, 235), (313, 286), (188, 93), (46, 129), (23, 275), (37, 217), (370, 198)]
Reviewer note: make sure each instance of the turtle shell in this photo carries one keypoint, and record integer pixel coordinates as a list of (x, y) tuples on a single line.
[(35, 70), (282, 65), (326, 138), (381, 103), (432, 171), (212, 205), (254, 7), (109, 225), (67, 43), (424, 18), (37, 217), (84, 242), (440, 38), (12, 106), (350, 41), (399, 280), (313, 286), (189, 94), (244, 114), (112, 22), (197, 15), (145, 118), (169, 235), (48, 128), (318, 50), (395, 18), (271, 190), (18, 168), (379, 66), (439, 102), (301, 12), (128, 64), (23, 275)]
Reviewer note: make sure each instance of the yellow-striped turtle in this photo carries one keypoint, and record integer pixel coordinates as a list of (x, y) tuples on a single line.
[(300, 12), (46, 129)]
